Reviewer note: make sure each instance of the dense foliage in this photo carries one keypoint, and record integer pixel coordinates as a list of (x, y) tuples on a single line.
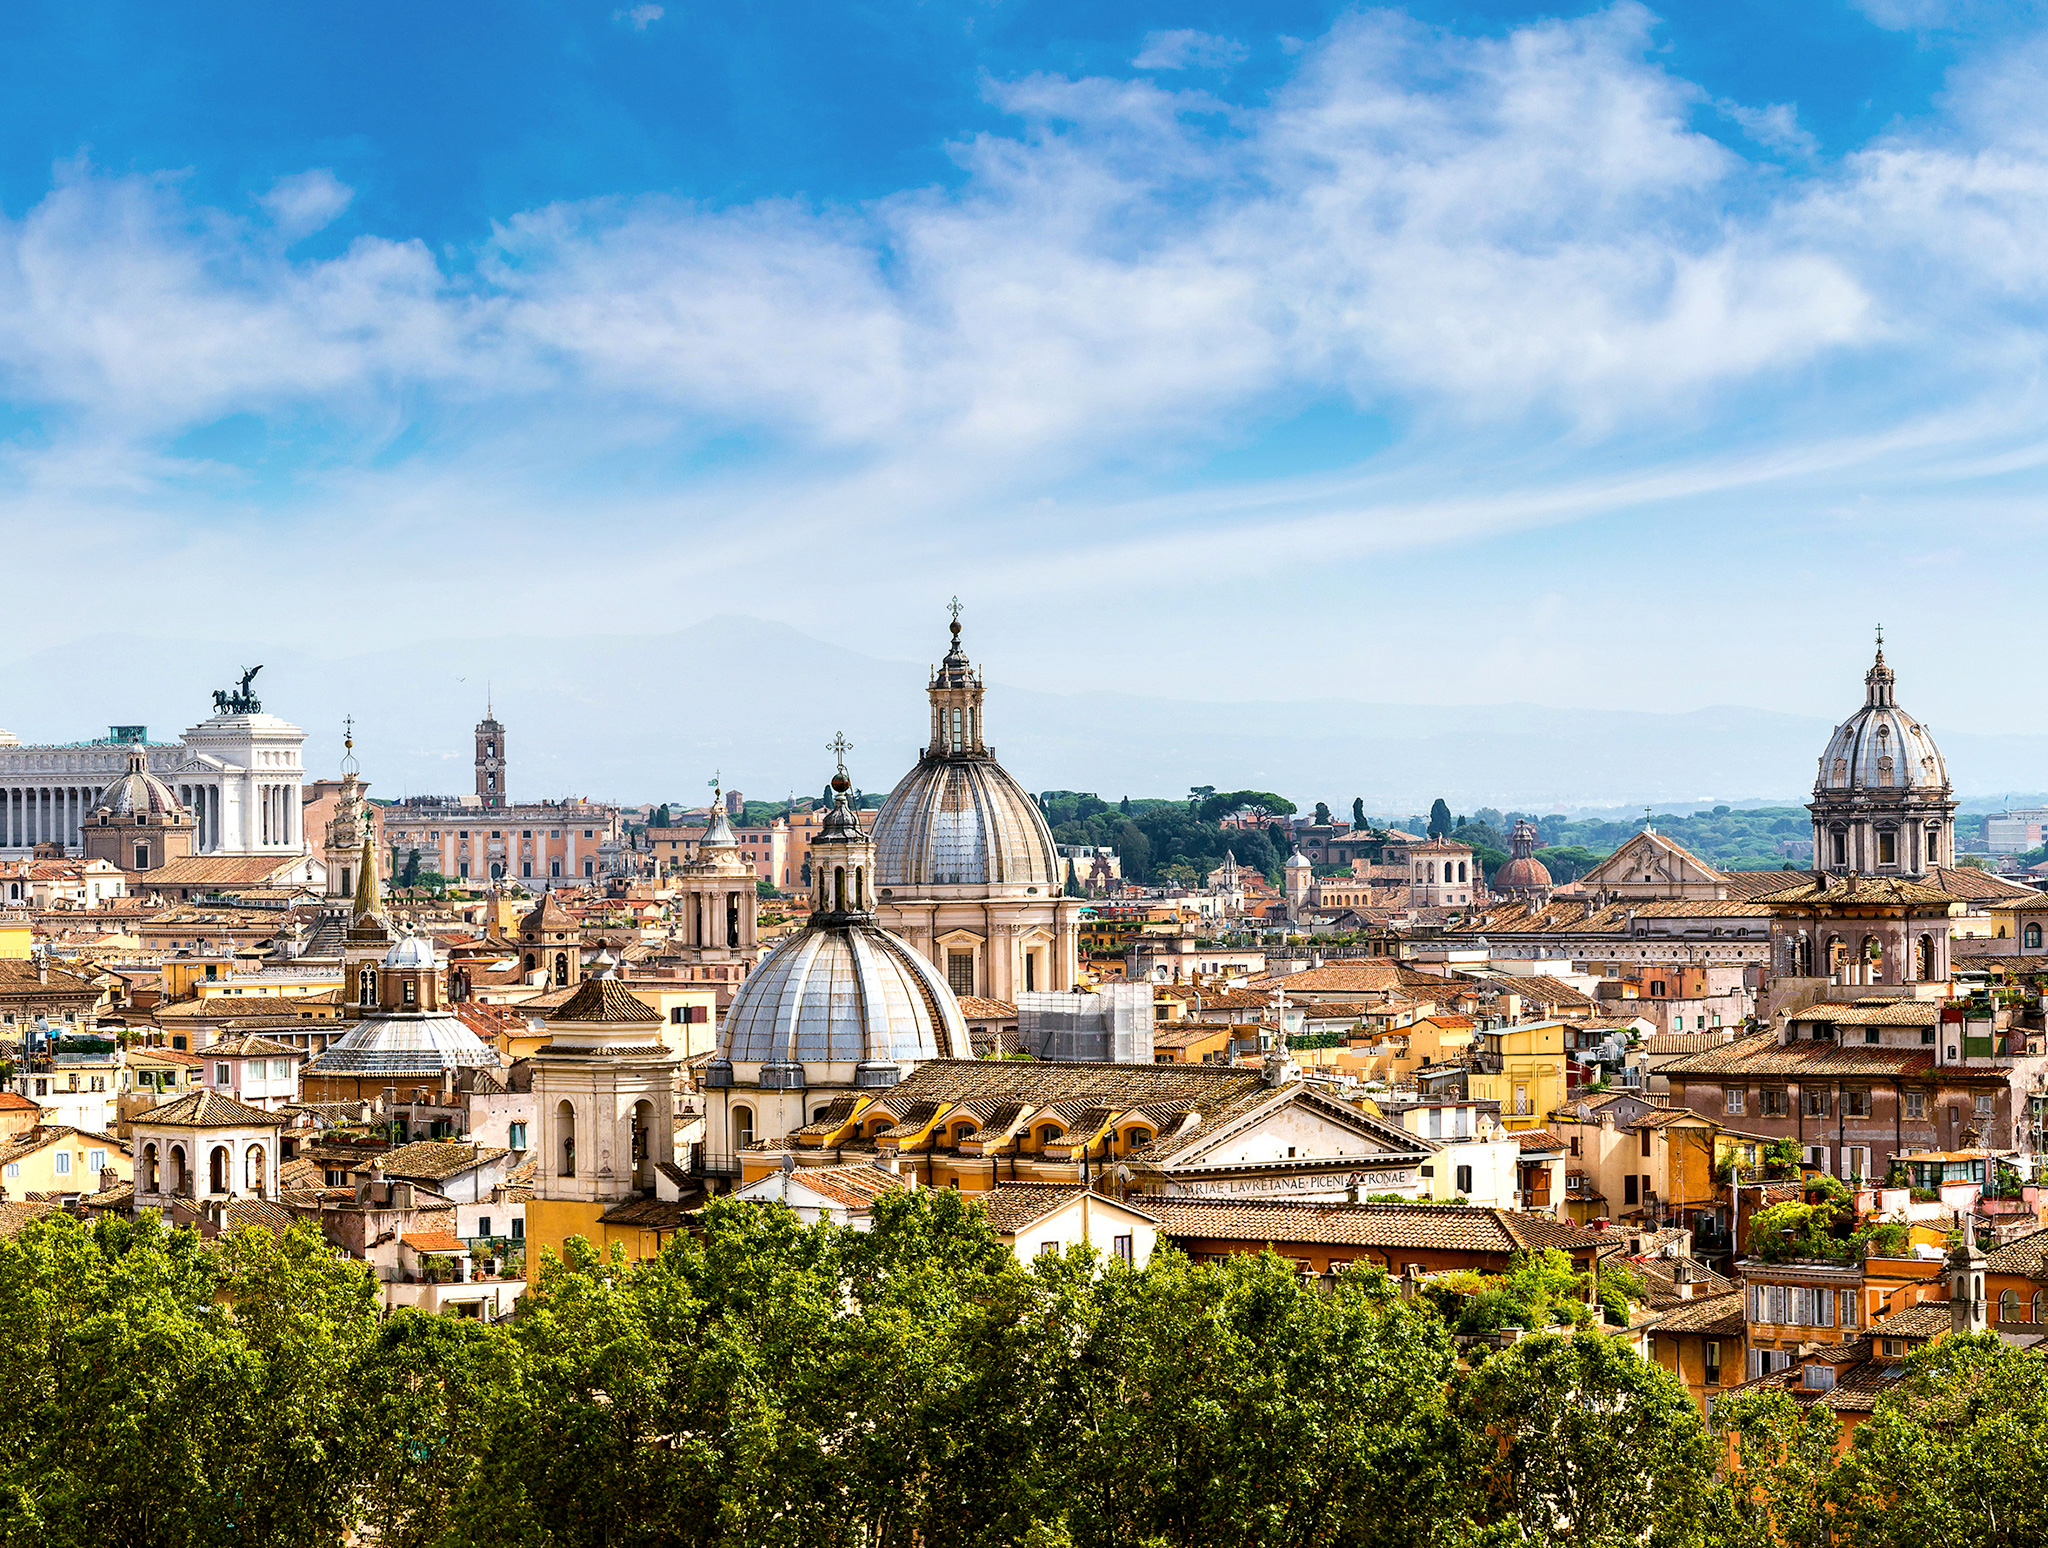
[(1172, 842), (781, 1384)]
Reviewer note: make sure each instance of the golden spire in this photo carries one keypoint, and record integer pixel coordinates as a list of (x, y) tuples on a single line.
[(366, 880)]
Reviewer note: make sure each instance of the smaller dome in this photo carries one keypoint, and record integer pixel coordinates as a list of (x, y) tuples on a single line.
[(1300, 862), (411, 952), (1523, 875), (139, 793)]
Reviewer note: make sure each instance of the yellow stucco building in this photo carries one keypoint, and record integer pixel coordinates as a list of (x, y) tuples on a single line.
[(1522, 1068)]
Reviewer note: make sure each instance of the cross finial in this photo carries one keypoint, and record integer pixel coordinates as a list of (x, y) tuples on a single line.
[(953, 607), (838, 747), (717, 780), (1880, 642)]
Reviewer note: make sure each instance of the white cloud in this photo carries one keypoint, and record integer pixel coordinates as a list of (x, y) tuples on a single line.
[(1498, 243), (1184, 49), (1775, 127), (303, 203), (639, 17)]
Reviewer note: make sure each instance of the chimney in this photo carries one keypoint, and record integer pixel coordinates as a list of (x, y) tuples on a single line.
[(1682, 1278)]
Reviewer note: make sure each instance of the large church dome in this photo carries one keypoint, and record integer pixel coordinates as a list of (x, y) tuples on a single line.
[(842, 991), (1881, 803), (958, 818), (1881, 747)]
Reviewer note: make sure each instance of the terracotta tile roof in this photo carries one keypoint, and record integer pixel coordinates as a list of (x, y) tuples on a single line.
[(19, 974), (1684, 1042), (1348, 978), (1210, 1091), (1538, 1140), (1539, 987), (1923, 1319), (978, 1008), (207, 1110), (251, 1046), (1014, 1206), (650, 1214), (220, 870), (856, 1187), (1807, 889), (235, 1007), (1856, 1390), (1181, 1034), (433, 1241), (2026, 1255), (1752, 884), (1762, 1055), (1983, 886), (1877, 1013), (488, 1021), (14, 1213), (1218, 998), (1447, 1226), (1660, 1284), (604, 1000), (436, 1160), (1720, 1313), (262, 1213), (14, 1101)]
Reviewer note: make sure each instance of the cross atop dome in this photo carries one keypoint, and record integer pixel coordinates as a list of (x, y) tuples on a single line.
[(1877, 682)]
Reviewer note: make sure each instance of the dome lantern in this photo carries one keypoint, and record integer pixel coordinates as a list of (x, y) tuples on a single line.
[(1882, 803)]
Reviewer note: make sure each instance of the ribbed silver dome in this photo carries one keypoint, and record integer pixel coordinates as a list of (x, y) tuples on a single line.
[(961, 821), (417, 1043), (1881, 747), (843, 993)]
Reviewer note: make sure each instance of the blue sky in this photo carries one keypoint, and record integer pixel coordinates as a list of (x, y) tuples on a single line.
[(1606, 356)]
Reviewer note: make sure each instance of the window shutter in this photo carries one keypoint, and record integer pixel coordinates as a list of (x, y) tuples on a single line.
[(1827, 1307)]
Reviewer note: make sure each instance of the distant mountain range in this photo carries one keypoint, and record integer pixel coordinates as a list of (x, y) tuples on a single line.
[(649, 718)]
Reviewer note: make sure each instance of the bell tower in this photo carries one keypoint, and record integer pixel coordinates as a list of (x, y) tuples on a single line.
[(490, 760), (956, 702)]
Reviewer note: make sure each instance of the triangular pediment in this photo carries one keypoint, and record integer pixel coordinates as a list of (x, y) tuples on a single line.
[(1312, 1125)]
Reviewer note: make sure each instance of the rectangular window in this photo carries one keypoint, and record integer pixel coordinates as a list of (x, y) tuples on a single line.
[(1855, 1104), (1048, 1249), (1815, 1103), (1465, 1180), (1916, 1104), (1628, 1189), (1984, 1104), (516, 1136), (960, 971), (1713, 1363), (1771, 1104), (1123, 1251), (95, 1160), (1731, 1100), (518, 1230), (675, 1015), (483, 1225), (63, 1163), (13, 1169)]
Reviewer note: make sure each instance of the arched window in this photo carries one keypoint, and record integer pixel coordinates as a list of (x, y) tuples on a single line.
[(1923, 959), (2041, 1305), (860, 873), (367, 990), (1461, 870), (2033, 937), (254, 1173), (409, 991), (1135, 1138), (839, 889), (2008, 1306), (1432, 870), (180, 1182), (217, 1170), (532, 963), (149, 1168), (565, 1132), (1048, 1134), (1933, 845), (561, 968), (742, 1128)]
